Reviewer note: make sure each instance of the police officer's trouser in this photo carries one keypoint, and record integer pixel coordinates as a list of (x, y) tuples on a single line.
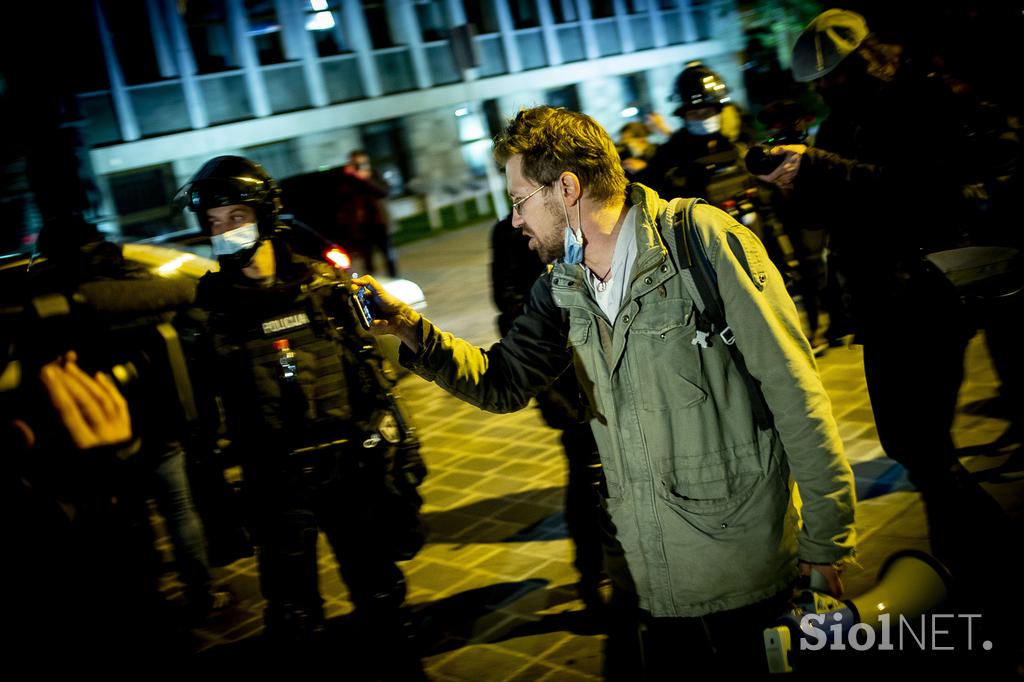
[(343, 495)]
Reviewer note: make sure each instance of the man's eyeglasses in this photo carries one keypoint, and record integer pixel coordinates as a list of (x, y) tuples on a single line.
[(517, 205)]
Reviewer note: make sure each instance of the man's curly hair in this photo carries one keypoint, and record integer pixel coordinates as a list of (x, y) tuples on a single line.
[(553, 141)]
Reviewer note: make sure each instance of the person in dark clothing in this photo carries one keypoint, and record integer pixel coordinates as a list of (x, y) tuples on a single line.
[(83, 561), (514, 269), (361, 212), (698, 160), (787, 122), (324, 444), (888, 173), (705, 159)]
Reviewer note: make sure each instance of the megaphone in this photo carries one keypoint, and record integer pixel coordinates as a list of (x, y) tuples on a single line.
[(910, 583)]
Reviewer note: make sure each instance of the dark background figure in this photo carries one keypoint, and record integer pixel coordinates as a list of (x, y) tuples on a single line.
[(83, 566), (888, 175), (306, 403), (84, 544), (85, 557), (514, 269), (763, 76), (361, 211), (788, 121)]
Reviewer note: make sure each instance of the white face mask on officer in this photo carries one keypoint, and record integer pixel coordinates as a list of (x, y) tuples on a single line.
[(233, 241), (704, 126)]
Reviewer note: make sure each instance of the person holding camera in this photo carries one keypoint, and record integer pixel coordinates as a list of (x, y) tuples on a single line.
[(81, 552), (887, 177), (308, 406)]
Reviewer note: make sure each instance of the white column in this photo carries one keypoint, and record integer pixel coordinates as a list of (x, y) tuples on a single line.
[(402, 13), (587, 27), (508, 36), (186, 66), (625, 30), (657, 23), (686, 24), (298, 42), (456, 12), (161, 45), (359, 35), (118, 91), (256, 87), (550, 32)]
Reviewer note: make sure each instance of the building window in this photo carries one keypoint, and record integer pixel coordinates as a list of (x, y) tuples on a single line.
[(381, 33), (266, 31), (129, 25), (636, 93), (387, 145), (208, 32), (322, 19), (524, 13), (431, 17), (566, 97), (565, 11), (482, 15), (600, 9), (142, 199)]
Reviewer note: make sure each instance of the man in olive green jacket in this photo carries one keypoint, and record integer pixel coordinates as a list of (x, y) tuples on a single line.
[(700, 496)]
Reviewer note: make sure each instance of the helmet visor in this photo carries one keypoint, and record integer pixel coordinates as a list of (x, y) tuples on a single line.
[(200, 195)]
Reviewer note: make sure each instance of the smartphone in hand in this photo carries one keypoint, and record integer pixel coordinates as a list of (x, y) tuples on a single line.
[(364, 307)]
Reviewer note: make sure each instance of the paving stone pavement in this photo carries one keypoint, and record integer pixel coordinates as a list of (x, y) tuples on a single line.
[(494, 585)]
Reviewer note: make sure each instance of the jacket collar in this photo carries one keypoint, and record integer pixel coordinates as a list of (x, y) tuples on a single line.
[(652, 266)]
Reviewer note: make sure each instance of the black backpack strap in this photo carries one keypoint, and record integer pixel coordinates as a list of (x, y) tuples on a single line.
[(701, 281)]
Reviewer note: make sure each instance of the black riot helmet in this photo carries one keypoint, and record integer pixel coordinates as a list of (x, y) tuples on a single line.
[(230, 180), (698, 86)]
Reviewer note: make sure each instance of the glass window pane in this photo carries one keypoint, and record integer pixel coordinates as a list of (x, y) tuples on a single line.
[(524, 13), (481, 14), (212, 46), (129, 25)]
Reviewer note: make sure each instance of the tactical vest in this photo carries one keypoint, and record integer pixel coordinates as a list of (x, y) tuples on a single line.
[(726, 178), (313, 408)]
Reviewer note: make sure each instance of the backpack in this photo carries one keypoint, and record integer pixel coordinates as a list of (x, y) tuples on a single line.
[(701, 282)]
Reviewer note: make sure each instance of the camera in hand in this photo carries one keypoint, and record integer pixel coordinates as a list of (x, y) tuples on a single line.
[(118, 327), (760, 161)]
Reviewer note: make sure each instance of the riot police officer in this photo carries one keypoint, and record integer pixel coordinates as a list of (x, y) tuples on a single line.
[(704, 159), (700, 159), (324, 445)]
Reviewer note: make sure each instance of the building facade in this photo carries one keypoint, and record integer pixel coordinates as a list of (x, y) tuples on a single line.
[(421, 85)]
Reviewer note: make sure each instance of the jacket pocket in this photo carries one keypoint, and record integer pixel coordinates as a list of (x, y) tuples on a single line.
[(713, 497), (715, 482), (579, 332), (666, 366)]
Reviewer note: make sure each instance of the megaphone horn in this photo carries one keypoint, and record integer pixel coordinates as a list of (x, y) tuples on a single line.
[(909, 584)]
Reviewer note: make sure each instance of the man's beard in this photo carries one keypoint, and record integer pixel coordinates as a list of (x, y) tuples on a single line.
[(550, 250), (553, 246)]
